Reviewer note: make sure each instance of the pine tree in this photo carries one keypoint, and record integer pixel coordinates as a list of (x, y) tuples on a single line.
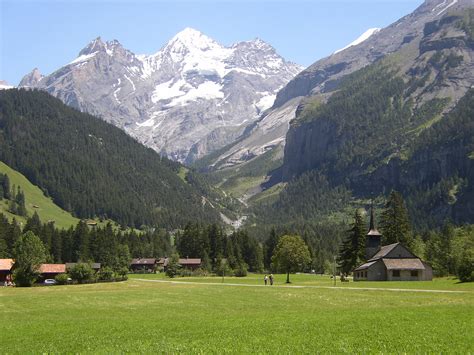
[(352, 251), (394, 222), (270, 245)]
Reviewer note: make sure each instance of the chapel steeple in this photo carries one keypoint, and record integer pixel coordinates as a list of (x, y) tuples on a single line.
[(373, 239)]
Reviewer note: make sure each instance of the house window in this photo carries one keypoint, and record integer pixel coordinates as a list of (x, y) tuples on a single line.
[(414, 273), (365, 274), (396, 273)]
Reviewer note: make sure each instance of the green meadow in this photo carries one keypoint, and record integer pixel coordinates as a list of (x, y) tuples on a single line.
[(202, 315)]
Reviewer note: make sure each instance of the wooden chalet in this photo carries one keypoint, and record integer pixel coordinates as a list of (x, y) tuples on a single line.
[(6, 268), (50, 271), (143, 265), (392, 262), (189, 263)]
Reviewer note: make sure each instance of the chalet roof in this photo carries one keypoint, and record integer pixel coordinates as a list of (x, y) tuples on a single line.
[(52, 268), (366, 265), (6, 264), (188, 261), (95, 266), (384, 251), (404, 264), (143, 261)]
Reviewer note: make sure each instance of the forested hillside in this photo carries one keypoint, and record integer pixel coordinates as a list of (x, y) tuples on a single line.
[(404, 123), (94, 169)]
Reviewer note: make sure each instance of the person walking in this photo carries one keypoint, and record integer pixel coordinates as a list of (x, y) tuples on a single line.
[(265, 279), (271, 279)]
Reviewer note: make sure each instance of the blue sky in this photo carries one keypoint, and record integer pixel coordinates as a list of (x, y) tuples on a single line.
[(49, 33)]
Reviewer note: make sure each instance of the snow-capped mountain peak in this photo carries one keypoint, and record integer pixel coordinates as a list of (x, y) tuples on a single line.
[(363, 37), (191, 97)]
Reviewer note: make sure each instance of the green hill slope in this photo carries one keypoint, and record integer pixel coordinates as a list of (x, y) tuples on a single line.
[(36, 201), (93, 169)]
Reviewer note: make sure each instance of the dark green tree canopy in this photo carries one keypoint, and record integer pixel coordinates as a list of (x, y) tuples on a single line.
[(29, 254), (395, 222), (352, 251)]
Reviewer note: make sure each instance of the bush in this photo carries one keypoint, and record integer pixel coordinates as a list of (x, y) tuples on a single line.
[(224, 270), (465, 271), (106, 274), (241, 270), (62, 279), (82, 273), (123, 273)]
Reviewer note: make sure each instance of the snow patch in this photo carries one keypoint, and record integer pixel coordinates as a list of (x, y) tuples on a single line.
[(148, 123), (447, 7), (365, 36), (83, 58), (117, 90), (168, 90), (208, 90), (131, 82), (265, 102)]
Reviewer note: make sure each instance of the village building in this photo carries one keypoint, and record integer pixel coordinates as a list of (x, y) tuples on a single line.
[(392, 262), (6, 268), (189, 263), (50, 271), (143, 265)]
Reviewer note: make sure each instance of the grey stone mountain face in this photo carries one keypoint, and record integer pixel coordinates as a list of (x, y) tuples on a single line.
[(322, 79), (192, 97)]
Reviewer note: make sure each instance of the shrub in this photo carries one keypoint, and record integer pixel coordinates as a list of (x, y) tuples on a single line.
[(62, 279), (122, 273), (241, 270), (106, 274), (82, 273), (465, 271)]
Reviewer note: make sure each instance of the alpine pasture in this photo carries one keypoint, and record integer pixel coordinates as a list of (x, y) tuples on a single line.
[(148, 313)]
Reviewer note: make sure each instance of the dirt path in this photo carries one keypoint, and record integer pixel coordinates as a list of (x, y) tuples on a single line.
[(305, 286)]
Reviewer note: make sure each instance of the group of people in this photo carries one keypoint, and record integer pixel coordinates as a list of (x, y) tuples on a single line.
[(268, 278)]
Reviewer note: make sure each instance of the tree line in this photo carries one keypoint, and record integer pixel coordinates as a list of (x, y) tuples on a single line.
[(106, 245)]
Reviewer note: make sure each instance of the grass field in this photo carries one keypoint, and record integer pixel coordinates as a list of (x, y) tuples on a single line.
[(141, 316)]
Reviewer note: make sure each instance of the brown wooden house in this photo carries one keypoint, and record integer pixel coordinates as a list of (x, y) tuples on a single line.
[(189, 263), (50, 271), (6, 268), (392, 262), (143, 265)]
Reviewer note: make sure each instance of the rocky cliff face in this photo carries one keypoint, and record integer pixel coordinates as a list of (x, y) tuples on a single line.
[(323, 77), (190, 98), (390, 126)]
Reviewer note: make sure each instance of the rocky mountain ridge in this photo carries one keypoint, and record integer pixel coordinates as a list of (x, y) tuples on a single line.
[(191, 97)]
